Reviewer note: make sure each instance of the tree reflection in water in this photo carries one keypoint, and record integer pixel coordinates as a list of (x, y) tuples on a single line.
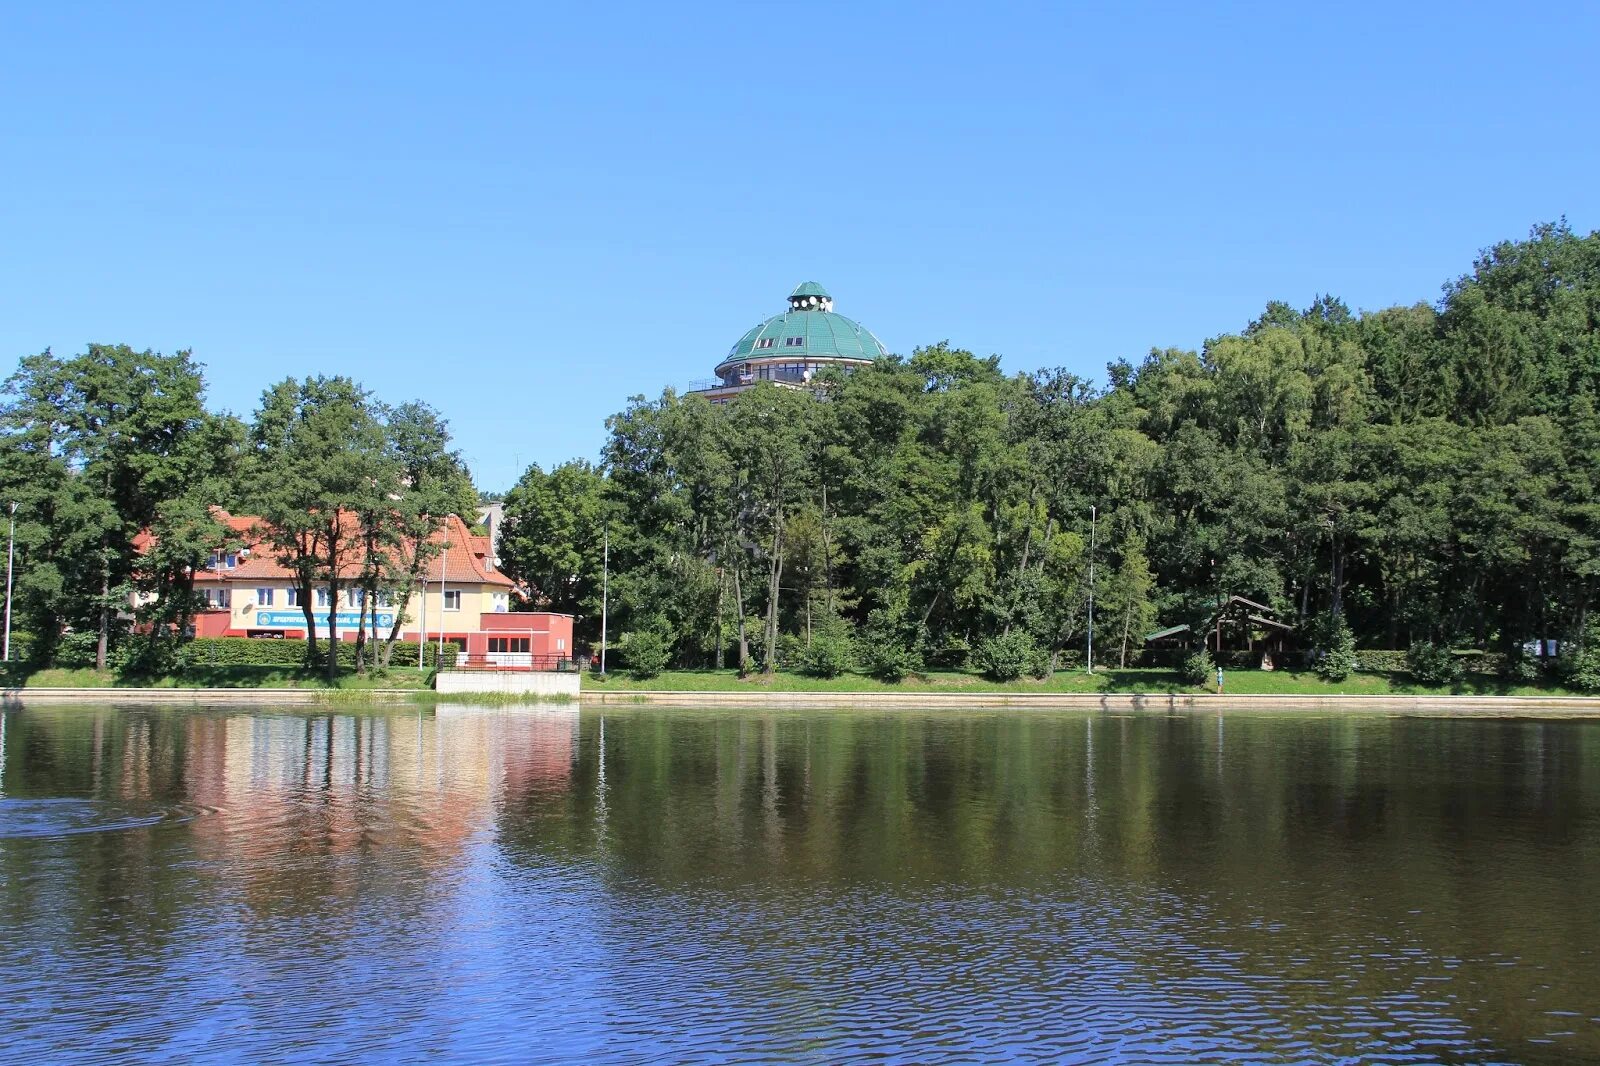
[(659, 883)]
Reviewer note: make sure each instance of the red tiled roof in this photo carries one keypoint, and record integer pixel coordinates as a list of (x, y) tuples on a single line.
[(465, 560)]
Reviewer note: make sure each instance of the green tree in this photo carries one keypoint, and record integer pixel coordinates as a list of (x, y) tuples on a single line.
[(317, 462)]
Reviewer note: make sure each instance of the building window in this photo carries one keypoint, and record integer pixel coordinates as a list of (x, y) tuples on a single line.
[(263, 597), (217, 599), (793, 342), (509, 644), (291, 597), (766, 342), (452, 600), (322, 597), (354, 597), (232, 560)]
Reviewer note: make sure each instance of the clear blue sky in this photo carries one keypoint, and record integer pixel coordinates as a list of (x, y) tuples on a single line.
[(525, 213)]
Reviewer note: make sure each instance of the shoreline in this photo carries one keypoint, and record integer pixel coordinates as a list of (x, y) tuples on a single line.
[(1158, 703)]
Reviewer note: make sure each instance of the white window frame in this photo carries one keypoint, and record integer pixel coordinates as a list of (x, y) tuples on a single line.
[(448, 594), (264, 596)]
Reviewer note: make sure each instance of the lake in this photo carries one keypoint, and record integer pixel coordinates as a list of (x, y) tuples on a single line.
[(647, 884)]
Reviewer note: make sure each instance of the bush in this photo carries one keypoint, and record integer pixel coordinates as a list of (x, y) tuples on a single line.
[(1430, 664), (75, 651), (831, 650), (1380, 661), (1335, 648), (790, 649), (648, 651), (1579, 663), (249, 651), (1006, 657), (885, 649), (1196, 669)]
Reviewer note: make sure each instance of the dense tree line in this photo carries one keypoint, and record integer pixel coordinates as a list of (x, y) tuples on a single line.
[(116, 469), (1414, 474)]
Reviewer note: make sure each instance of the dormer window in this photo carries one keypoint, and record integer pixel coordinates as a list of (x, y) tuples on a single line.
[(793, 342), (766, 342)]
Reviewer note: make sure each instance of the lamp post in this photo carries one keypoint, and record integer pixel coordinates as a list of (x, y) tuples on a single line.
[(1090, 655), (605, 593), (11, 555), (422, 621)]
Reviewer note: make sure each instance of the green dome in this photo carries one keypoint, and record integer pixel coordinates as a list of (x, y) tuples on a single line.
[(809, 331)]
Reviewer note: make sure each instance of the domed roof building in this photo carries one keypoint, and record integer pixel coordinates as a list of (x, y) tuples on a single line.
[(791, 348)]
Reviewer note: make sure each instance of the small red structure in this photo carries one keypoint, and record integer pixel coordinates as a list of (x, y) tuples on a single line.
[(522, 640)]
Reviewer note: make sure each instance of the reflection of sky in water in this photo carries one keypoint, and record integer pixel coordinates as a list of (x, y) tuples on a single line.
[(647, 884)]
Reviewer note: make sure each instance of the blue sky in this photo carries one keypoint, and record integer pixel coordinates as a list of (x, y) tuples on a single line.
[(525, 213)]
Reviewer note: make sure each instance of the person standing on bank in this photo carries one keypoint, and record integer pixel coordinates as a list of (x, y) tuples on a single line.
[(1219, 679)]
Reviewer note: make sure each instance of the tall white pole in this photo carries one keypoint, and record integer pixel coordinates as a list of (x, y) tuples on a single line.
[(422, 621), (11, 555), (1090, 655), (605, 594)]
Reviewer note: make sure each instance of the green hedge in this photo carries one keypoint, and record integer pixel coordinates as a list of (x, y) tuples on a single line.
[(245, 651), (1380, 661)]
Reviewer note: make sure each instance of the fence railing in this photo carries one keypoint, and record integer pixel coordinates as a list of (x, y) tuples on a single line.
[(515, 661)]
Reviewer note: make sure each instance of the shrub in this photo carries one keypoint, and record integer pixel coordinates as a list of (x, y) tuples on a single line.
[(886, 650), (1380, 661), (1524, 667), (248, 651), (1430, 664), (831, 650), (1007, 656), (953, 656), (790, 649), (1579, 663), (648, 651), (1335, 648), (76, 650), (1196, 669)]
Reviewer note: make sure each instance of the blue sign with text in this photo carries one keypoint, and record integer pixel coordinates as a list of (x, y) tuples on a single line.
[(297, 620)]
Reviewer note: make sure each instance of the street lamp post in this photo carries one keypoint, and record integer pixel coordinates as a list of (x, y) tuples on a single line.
[(1090, 655), (11, 555), (605, 593)]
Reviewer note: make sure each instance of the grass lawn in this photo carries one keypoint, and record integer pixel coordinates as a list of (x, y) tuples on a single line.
[(234, 677), (1239, 682)]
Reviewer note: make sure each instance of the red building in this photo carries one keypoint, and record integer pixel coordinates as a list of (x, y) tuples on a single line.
[(249, 592)]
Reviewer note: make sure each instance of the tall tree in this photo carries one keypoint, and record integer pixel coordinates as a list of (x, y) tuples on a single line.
[(318, 449)]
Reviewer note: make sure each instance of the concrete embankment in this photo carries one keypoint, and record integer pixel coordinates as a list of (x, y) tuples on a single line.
[(1167, 703), (1123, 703)]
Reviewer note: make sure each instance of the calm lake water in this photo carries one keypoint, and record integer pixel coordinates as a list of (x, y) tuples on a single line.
[(641, 885)]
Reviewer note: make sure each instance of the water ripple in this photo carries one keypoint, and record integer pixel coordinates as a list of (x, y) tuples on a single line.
[(63, 816)]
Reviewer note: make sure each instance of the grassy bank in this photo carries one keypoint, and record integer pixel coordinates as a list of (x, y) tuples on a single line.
[(1239, 682), (234, 677)]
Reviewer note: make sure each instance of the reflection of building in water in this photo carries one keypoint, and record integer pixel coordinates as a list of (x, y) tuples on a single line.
[(331, 783)]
